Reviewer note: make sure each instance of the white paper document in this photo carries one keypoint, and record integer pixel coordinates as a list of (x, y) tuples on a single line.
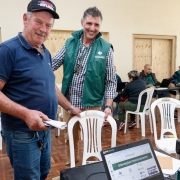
[(161, 88), (55, 123), (175, 162)]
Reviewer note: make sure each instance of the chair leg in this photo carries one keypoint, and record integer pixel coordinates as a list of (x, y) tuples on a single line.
[(125, 128), (143, 124), (137, 120), (150, 121), (178, 114), (57, 130), (67, 152)]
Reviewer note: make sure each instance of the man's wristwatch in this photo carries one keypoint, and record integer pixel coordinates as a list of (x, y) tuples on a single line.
[(70, 110), (108, 107)]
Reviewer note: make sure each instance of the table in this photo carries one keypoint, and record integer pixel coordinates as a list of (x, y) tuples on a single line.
[(97, 170), (161, 89), (176, 162)]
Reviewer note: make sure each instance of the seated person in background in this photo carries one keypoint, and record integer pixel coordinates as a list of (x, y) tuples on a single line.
[(151, 80), (149, 77), (118, 79), (175, 79), (116, 100), (132, 91)]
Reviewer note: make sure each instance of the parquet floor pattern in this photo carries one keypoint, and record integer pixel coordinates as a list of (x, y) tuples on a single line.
[(58, 151)]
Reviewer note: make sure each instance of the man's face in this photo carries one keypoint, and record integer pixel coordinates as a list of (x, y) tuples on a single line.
[(37, 27), (148, 69), (91, 27)]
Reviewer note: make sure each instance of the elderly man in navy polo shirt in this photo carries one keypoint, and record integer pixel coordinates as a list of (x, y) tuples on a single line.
[(28, 93)]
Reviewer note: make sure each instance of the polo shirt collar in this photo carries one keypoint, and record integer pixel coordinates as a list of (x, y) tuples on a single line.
[(24, 42)]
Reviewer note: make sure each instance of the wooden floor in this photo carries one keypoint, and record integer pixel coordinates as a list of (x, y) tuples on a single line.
[(58, 154)]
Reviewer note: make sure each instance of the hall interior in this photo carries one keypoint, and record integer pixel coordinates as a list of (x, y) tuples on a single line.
[(58, 148)]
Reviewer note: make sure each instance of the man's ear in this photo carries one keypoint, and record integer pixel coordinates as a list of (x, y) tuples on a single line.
[(25, 19), (81, 22)]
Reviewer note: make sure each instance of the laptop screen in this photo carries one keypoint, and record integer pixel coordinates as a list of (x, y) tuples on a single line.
[(135, 162), (164, 83), (121, 86)]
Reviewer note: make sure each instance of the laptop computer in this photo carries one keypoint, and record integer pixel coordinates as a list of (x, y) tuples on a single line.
[(120, 86), (133, 161), (164, 83)]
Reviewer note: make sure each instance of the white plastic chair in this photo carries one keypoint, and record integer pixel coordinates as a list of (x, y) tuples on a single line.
[(91, 122), (146, 111), (58, 118), (166, 107), (178, 110)]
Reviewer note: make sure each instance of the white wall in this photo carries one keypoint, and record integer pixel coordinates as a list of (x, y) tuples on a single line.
[(122, 19)]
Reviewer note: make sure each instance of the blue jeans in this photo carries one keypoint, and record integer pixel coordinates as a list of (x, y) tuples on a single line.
[(28, 162)]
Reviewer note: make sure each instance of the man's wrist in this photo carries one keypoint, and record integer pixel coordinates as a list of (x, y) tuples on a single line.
[(108, 107), (70, 110)]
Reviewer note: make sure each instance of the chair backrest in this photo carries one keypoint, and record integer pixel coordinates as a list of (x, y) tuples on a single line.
[(166, 108), (91, 122), (149, 93)]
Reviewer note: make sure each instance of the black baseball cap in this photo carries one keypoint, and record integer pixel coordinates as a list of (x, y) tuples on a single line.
[(43, 5)]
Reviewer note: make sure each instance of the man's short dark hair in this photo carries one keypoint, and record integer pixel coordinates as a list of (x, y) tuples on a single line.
[(93, 11)]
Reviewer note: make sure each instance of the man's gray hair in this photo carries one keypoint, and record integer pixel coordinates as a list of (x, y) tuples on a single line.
[(93, 11), (133, 74), (29, 14)]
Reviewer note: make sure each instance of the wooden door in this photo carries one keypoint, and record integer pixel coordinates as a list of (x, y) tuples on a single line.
[(142, 53), (159, 51), (161, 58), (55, 41)]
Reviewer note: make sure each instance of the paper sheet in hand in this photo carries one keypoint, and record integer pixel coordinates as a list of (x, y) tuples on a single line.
[(57, 124), (161, 88)]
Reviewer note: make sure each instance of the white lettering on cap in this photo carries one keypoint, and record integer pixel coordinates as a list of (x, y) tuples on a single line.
[(46, 4)]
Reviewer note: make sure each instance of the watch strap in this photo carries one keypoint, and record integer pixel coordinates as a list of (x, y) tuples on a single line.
[(70, 110), (108, 107)]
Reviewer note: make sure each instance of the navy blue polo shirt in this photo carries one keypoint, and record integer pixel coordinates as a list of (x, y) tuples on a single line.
[(29, 79)]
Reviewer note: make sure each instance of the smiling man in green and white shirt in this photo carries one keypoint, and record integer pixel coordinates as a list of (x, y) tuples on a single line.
[(88, 67)]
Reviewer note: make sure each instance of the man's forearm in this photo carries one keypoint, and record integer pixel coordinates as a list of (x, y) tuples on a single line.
[(108, 102), (65, 104), (10, 107), (62, 101)]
